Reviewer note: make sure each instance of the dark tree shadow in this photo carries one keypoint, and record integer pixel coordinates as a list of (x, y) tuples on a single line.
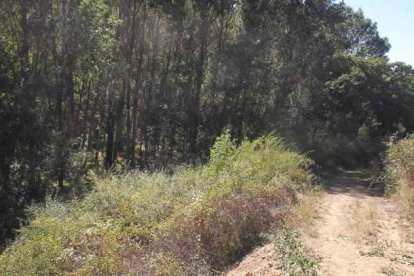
[(354, 183)]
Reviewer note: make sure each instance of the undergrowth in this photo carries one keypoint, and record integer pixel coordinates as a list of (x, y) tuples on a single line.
[(399, 173), (196, 221), (294, 258)]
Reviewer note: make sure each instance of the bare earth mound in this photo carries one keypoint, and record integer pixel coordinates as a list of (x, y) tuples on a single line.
[(260, 262)]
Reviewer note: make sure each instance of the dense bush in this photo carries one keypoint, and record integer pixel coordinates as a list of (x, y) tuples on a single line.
[(399, 172), (198, 220), (103, 85)]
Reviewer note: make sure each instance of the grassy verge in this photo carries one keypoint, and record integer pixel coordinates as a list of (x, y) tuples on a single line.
[(294, 259), (399, 174), (196, 221)]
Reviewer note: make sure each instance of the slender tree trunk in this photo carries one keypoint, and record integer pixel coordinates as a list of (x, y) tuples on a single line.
[(110, 128), (195, 114), (24, 50), (139, 27)]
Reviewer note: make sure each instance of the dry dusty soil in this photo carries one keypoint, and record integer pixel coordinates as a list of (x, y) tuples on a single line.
[(357, 232)]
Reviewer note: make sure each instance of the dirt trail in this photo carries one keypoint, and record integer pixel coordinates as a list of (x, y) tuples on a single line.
[(358, 232)]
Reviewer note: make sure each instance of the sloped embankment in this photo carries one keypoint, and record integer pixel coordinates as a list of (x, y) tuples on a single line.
[(196, 221)]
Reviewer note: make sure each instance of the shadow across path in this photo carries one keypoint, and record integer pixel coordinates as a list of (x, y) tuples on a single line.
[(355, 183)]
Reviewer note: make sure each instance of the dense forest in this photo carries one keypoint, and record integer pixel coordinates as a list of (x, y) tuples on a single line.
[(89, 87)]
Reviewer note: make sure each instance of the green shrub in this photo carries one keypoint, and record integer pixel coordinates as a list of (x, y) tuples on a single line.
[(196, 221), (399, 172), (222, 152), (51, 246)]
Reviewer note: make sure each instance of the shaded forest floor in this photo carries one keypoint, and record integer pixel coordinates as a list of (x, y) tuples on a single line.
[(357, 232)]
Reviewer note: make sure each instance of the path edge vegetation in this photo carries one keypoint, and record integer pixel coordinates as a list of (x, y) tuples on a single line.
[(198, 220), (113, 86), (102, 102), (399, 174)]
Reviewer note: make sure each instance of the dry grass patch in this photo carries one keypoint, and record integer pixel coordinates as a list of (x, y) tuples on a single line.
[(404, 196), (363, 221), (306, 213)]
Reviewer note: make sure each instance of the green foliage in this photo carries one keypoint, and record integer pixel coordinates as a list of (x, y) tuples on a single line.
[(197, 220), (221, 152), (94, 85), (267, 157), (60, 246), (399, 173), (399, 165), (361, 108), (295, 260)]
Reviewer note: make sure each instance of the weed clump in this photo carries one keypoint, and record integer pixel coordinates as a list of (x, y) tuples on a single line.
[(196, 221), (399, 173), (295, 260)]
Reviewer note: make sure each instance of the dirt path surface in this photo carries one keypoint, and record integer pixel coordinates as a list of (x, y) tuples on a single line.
[(360, 232), (357, 232)]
